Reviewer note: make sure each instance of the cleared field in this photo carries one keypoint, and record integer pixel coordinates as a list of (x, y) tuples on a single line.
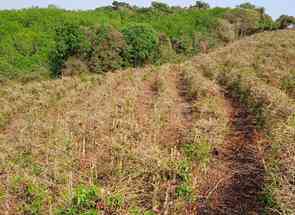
[(213, 135)]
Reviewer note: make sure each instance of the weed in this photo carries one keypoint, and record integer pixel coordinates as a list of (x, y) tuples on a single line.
[(31, 194), (185, 192), (200, 151), (84, 201), (115, 201)]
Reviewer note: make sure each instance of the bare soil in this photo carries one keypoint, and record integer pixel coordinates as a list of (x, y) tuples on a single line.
[(237, 178)]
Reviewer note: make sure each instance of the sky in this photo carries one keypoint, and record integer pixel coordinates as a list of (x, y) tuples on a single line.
[(273, 7)]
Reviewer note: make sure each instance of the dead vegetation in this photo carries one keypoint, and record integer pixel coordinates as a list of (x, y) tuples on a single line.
[(241, 71), (214, 135)]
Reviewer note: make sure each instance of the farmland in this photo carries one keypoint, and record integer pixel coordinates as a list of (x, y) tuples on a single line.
[(202, 132)]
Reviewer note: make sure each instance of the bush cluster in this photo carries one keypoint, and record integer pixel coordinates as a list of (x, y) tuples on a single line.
[(68, 39), (34, 40), (107, 49), (142, 41)]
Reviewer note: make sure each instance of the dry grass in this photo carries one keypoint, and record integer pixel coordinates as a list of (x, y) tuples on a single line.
[(254, 71), (122, 134), (140, 141)]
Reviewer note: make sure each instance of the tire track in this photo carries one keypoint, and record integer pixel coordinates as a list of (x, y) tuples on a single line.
[(239, 190)]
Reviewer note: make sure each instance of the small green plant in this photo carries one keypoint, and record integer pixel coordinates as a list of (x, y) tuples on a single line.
[(185, 192), (84, 201), (200, 151), (267, 198), (184, 170), (115, 201), (31, 194), (138, 211), (149, 213)]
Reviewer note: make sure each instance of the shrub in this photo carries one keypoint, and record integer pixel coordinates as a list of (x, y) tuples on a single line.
[(245, 20), (201, 5), (108, 47), (166, 50), (161, 6), (142, 41), (115, 201), (182, 44), (73, 66), (247, 5), (118, 5), (225, 30), (68, 39), (200, 151)]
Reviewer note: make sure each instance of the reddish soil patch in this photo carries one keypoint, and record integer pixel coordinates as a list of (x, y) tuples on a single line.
[(237, 179)]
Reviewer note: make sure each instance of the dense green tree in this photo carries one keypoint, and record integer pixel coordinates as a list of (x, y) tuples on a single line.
[(247, 5), (201, 5), (142, 41), (37, 40), (108, 47), (160, 6), (68, 38), (117, 5)]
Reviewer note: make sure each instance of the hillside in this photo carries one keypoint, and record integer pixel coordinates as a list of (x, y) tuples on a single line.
[(213, 135)]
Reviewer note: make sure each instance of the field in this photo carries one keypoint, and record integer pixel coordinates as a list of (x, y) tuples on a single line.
[(212, 135)]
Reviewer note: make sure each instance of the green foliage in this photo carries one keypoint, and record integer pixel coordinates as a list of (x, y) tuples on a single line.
[(182, 44), (247, 5), (185, 192), (184, 189), (201, 5), (115, 201), (161, 6), (184, 170), (108, 46), (268, 198), (117, 5), (34, 41), (31, 195), (200, 151), (68, 38), (142, 41), (83, 202)]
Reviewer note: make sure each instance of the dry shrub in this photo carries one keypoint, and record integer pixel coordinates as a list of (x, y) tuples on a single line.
[(225, 30), (237, 69), (108, 47), (73, 66), (245, 20), (166, 51)]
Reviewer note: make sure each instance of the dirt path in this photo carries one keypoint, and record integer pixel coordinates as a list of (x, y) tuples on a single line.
[(240, 164), (185, 101)]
